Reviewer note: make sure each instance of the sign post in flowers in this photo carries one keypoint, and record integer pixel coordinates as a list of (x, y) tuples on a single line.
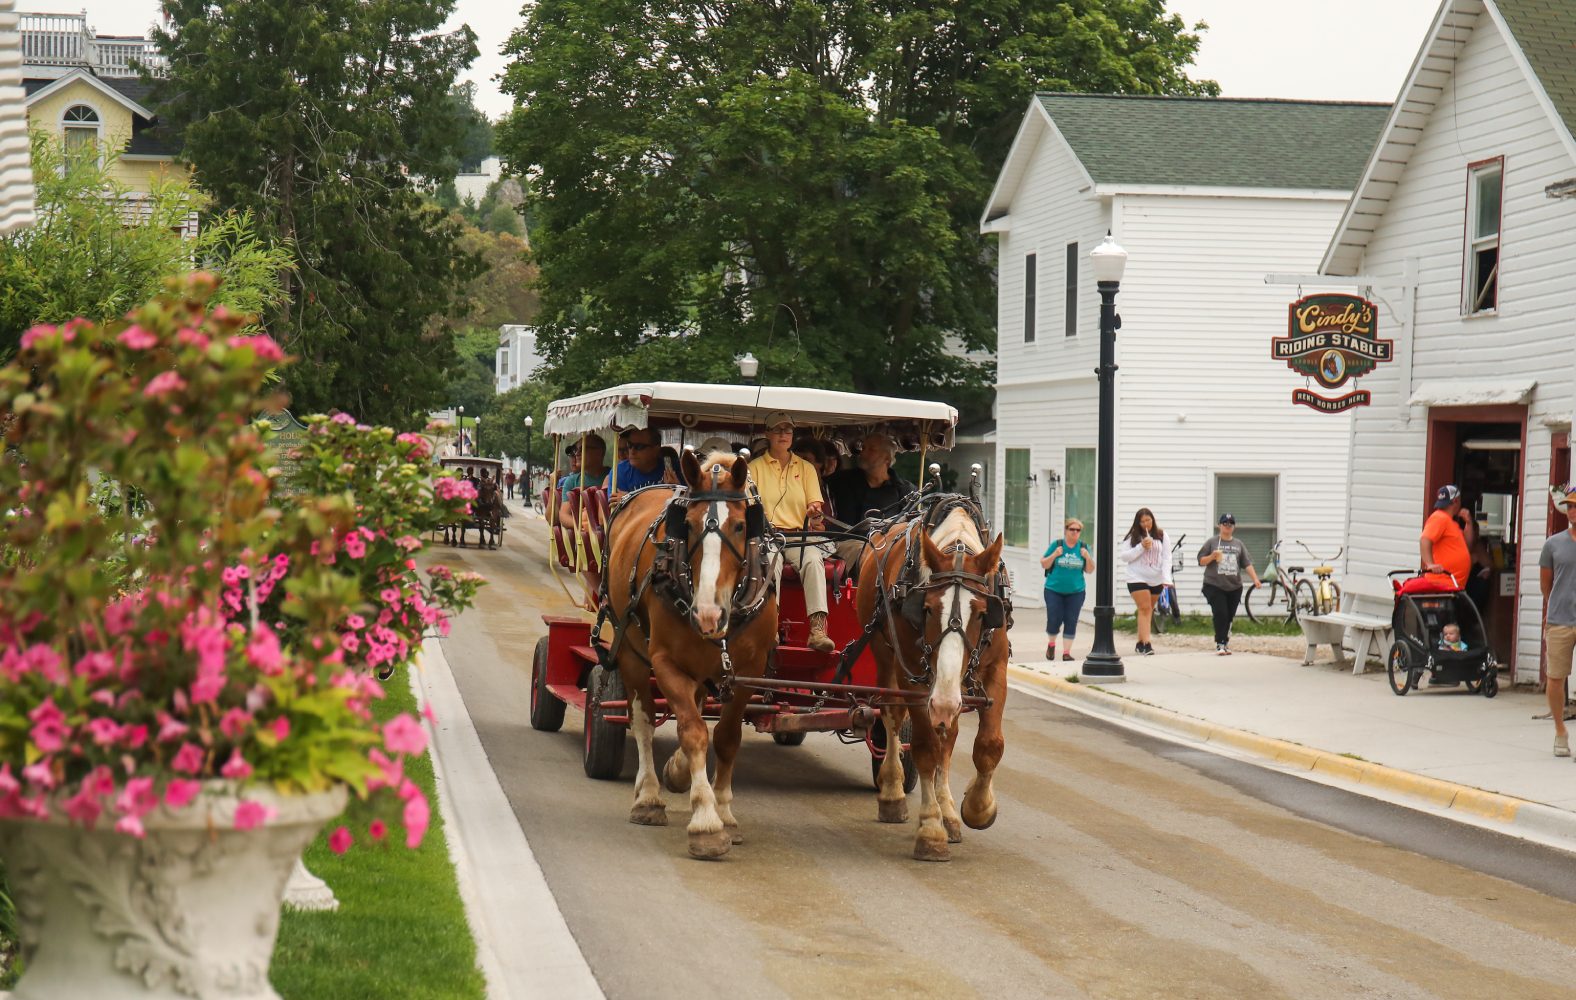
[(187, 671)]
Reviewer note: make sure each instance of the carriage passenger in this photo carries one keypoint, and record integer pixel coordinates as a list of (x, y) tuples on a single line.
[(870, 485), (790, 490), (644, 466)]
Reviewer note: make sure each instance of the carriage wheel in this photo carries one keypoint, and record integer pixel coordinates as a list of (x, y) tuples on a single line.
[(547, 712), (1398, 664), (910, 772), (604, 757), (788, 739)]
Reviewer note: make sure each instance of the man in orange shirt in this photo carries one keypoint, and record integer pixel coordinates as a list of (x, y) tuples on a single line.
[(1442, 546)]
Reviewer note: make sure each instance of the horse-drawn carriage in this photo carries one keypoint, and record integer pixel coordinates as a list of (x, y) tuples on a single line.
[(487, 510), (694, 621)]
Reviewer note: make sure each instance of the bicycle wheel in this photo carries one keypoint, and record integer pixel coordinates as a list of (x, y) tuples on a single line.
[(1332, 598), (1303, 601)]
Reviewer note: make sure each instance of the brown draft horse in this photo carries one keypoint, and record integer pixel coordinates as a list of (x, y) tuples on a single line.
[(681, 634), (957, 578)]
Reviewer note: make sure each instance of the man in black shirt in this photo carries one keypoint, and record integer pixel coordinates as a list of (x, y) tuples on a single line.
[(869, 486)]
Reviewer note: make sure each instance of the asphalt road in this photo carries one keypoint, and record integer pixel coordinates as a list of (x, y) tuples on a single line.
[(1120, 866)]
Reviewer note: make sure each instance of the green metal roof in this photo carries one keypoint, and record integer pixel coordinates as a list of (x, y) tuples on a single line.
[(1219, 141), (1545, 30)]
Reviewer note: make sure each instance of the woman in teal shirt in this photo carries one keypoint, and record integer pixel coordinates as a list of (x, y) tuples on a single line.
[(1066, 562)]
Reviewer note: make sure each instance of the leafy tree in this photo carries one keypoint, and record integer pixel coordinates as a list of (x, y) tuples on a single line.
[(96, 253), (798, 178), (318, 117), (503, 430), (476, 132)]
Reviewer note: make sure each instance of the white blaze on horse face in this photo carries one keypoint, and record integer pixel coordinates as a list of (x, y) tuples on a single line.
[(708, 602), (946, 690)]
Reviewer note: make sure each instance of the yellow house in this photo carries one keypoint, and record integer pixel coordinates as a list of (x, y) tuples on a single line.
[(89, 112)]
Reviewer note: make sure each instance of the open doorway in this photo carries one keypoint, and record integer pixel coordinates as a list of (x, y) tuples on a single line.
[(1481, 449)]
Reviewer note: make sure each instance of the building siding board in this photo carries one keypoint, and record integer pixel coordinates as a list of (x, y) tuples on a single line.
[(1489, 109)]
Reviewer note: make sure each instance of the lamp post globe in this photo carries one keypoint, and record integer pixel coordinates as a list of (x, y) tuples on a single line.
[(1103, 665), (529, 423), (749, 367), (459, 429)]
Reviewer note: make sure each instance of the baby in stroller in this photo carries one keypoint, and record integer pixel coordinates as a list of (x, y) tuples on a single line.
[(1450, 638)]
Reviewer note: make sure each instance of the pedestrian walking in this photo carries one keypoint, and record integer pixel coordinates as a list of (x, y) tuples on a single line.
[(1148, 571), (1225, 559), (1442, 547), (1557, 580), (1066, 562), (508, 482)]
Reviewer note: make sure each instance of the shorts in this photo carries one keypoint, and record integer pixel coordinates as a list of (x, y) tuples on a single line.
[(1561, 642), (1156, 589)]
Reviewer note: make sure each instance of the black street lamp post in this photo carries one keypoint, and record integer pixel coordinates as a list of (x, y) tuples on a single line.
[(1103, 665), (529, 423)]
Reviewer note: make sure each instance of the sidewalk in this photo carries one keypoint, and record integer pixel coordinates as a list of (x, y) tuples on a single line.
[(1444, 734)]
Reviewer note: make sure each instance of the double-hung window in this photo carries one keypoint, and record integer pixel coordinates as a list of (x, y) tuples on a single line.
[(1251, 500), (80, 131), (1015, 498), (1485, 200), (1080, 479), (1072, 290)]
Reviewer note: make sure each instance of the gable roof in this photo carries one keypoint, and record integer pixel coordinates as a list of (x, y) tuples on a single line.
[(1133, 141), (1541, 35), (44, 88)]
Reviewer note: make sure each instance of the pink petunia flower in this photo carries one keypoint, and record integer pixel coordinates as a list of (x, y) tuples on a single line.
[(264, 652), (41, 774), (170, 728), (417, 815), (36, 333), (49, 730), (188, 759), (234, 723), (281, 728), (236, 767), (180, 791), (340, 840), (136, 338), (377, 830), (403, 734), (163, 384)]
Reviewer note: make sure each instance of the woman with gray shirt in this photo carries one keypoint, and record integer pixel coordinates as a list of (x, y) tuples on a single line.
[(1224, 560)]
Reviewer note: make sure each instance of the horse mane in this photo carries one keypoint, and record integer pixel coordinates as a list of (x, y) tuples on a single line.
[(956, 527), (722, 458)]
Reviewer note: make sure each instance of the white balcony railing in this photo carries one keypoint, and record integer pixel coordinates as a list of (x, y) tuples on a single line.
[(67, 40)]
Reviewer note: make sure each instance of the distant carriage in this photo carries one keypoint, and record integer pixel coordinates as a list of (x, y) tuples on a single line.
[(487, 510)]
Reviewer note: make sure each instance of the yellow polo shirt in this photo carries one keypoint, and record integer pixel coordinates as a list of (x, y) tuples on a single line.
[(786, 491)]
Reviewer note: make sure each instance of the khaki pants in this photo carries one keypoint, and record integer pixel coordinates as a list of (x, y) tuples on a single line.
[(811, 564), (849, 550)]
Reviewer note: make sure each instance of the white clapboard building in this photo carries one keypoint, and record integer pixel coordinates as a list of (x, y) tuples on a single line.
[(1207, 195), (1458, 220)]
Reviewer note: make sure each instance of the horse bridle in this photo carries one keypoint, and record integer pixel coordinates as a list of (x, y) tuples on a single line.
[(672, 566)]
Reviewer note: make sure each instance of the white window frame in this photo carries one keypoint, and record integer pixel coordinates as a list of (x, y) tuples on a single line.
[(1473, 244), (1011, 491), (96, 127)]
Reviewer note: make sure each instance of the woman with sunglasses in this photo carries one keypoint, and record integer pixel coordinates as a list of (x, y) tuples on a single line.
[(1066, 562)]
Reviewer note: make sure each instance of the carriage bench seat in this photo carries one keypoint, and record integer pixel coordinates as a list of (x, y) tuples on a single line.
[(1364, 615)]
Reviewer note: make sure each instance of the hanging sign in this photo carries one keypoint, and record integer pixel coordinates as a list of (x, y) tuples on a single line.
[(1332, 338), (285, 436)]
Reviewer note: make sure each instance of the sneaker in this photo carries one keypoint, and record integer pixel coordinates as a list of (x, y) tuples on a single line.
[(1149, 649), (1226, 649), (1138, 648), (1220, 649), (1050, 651), (1562, 745), (1066, 656)]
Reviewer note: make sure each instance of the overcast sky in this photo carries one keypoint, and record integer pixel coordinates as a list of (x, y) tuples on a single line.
[(1330, 50)]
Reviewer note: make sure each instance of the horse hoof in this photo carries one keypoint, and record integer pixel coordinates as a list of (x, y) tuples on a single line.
[(710, 846), (892, 810), (954, 830), (649, 815), (676, 773), (929, 850), (980, 820), (734, 836)]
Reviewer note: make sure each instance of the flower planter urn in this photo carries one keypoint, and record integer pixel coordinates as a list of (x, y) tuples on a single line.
[(191, 910)]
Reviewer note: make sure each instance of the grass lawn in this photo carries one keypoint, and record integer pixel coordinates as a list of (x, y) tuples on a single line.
[(400, 931), (1203, 625)]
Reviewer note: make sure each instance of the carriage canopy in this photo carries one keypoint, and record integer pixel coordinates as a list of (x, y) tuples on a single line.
[(701, 408)]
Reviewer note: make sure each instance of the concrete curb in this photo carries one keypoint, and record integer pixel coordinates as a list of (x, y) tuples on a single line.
[(1505, 813), (523, 945)]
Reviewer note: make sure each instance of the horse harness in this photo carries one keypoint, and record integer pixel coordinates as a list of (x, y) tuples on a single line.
[(907, 594), (670, 574)]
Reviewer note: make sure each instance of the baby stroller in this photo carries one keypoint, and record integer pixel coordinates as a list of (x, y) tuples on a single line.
[(1422, 610)]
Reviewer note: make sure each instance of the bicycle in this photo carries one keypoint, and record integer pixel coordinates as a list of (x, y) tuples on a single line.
[(1287, 593), (1168, 606)]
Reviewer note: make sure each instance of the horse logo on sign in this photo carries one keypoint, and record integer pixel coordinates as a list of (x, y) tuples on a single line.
[(1332, 339)]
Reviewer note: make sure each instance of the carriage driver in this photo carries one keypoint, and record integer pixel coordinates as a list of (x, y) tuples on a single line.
[(790, 491)]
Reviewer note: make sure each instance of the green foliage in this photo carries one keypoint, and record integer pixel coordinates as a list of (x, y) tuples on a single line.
[(319, 117), (95, 252), (797, 178), (475, 141), (503, 432)]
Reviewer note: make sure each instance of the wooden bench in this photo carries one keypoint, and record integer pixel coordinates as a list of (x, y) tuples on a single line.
[(1364, 616)]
